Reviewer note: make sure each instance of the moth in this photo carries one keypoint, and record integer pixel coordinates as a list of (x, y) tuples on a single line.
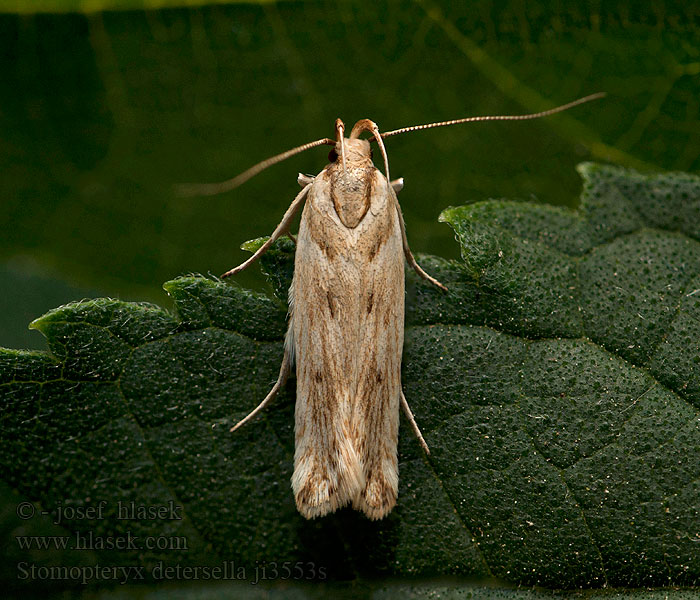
[(346, 320)]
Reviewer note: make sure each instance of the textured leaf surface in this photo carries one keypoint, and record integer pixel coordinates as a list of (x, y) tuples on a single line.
[(378, 591), (557, 384)]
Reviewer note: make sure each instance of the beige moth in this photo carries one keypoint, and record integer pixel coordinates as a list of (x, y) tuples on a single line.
[(346, 321)]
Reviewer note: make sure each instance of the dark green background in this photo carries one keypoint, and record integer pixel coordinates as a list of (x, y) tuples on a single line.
[(101, 113)]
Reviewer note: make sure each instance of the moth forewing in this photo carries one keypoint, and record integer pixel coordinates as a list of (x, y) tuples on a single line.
[(378, 395)]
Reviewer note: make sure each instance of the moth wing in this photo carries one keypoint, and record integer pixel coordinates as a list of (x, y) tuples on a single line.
[(376, 402), (328, 473)]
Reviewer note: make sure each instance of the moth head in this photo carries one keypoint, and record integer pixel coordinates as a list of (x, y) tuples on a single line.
[(358, 153), (349, 153)]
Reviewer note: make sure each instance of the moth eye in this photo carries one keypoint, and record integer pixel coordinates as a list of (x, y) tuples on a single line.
[(332, 156)]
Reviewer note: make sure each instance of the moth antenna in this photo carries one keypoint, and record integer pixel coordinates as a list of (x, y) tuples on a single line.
[(340, 134), (210, 189), (380, 142), (537, 115)]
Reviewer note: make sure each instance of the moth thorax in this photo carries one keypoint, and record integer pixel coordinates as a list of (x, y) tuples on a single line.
[(351, 191)]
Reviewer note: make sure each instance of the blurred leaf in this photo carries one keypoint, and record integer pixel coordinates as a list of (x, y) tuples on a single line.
[(557, 384), (104, 112), (28, 293)]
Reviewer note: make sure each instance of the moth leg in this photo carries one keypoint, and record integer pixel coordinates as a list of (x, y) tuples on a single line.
[(281, 380), (397, 184), (414, 425), (409, 255), (291, 237), (303, 180), (279, 231)]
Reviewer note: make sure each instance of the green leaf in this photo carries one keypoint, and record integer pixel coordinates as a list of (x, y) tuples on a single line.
[(557, 384)]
